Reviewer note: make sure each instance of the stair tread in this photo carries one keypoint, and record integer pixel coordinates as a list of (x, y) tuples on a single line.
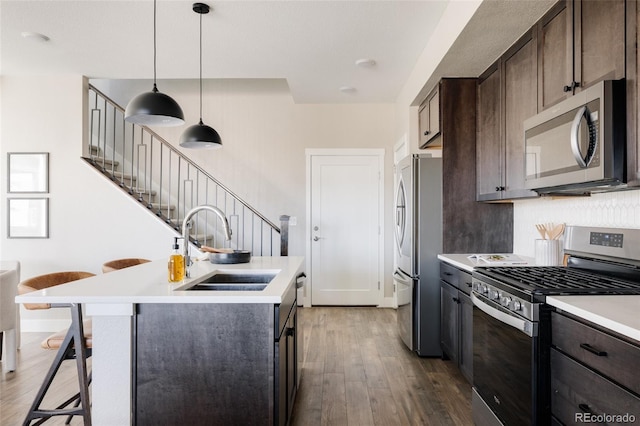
[(162, 206), (103, 161)]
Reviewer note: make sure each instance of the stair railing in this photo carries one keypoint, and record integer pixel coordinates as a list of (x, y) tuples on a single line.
[(169, 184)]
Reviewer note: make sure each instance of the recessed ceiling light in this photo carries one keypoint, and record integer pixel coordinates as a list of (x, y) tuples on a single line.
[(347, 89), (34, 36), (365, 63)]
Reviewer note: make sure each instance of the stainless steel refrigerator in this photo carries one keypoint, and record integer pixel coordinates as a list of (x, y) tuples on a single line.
[(418, 235)]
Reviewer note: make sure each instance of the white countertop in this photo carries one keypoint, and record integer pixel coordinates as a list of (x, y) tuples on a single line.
[(462, 261), (147, 283), (618, 313)]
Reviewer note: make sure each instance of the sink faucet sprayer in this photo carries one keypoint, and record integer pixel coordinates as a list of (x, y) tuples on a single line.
[(185, 229)]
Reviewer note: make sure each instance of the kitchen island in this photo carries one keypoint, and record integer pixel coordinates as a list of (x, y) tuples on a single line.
[(114, 300)]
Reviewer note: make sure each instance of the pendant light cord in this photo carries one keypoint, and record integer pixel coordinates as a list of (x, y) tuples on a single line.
[(155, 88), (201, 68)]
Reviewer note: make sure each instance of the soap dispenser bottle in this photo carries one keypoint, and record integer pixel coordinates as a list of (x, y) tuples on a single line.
[(176, 264)]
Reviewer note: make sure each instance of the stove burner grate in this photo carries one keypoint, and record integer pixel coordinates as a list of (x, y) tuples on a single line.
[(550, 280)]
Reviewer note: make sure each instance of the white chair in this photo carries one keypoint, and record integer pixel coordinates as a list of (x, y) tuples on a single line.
[(9, 313)]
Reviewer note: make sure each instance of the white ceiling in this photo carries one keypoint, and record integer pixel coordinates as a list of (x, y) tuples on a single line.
[(313, 45)]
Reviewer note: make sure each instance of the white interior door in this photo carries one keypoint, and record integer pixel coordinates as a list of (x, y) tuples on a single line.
[(345, 220)]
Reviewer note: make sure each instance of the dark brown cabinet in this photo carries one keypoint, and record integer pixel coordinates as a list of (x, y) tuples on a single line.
[(489, 152), (576, 44), (429, 119), (506, 97), (456, 322), (215, 364), (580, 42), (464, 220), (592, 373)]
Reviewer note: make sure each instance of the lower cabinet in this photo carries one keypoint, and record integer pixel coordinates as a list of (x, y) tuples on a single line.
[(594, 376), (456, 322), (286, 364), (215, 364)]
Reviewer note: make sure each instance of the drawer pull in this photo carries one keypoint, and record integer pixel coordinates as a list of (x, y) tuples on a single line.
[(585, 408), (593, 350)]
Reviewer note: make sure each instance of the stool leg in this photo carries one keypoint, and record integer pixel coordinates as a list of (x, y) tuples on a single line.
[(72, 346), (55, 365), (81, 361)]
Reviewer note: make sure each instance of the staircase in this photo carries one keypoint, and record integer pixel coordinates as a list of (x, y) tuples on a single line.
[(168, 184)]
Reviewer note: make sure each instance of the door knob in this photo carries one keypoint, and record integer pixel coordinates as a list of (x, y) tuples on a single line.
[(316, 238)]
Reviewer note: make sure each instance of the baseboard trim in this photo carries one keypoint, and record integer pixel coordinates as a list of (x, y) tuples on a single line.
[(387, 302)]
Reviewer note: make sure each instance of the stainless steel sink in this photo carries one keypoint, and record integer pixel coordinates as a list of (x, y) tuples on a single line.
[(240, 277), (234, 281), (228, 287)]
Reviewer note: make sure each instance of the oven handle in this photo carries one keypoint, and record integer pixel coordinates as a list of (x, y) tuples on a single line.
[(521, 325)]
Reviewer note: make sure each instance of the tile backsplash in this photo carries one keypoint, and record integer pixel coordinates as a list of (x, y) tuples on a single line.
[(613, 209)]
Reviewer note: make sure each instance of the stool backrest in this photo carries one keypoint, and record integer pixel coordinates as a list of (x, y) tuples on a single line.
[(46, 281), (117, 264)]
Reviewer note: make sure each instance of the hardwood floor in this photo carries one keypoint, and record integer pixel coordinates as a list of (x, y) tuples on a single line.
[(356, 372)]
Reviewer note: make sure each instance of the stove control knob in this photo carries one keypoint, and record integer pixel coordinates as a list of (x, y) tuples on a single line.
[(517, 305), (483, 289), (506, 301), (493, 295)]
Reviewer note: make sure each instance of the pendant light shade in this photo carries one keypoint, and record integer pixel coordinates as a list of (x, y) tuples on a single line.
[(154, 108), (200, 135)]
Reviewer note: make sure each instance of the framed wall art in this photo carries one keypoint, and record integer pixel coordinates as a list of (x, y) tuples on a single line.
[(28, 172), (28, 217)]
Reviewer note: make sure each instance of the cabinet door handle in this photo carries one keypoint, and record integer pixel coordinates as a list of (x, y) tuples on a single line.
[(455, 299), (573, 85), (499, 188), (426, 132), (585, 408), (588, 347), (290, 331)]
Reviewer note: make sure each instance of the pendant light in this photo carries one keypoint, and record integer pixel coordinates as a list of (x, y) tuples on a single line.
[(154, 108), (200, 135)]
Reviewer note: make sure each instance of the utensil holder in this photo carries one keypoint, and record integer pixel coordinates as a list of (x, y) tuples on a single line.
[(548, 252)]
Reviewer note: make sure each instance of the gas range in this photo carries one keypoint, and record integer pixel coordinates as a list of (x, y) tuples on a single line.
[(519, 289), (592, 269), (512, 322)]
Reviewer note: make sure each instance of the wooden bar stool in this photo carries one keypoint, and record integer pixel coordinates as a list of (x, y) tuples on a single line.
[(72, 344), (114, 265)]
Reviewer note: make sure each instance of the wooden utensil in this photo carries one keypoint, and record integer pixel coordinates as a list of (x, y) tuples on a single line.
[(556, 232), (542, 230)]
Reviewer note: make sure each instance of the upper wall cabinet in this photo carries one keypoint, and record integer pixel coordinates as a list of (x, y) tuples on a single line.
[(429, 118), (580, 43), (506, 97)]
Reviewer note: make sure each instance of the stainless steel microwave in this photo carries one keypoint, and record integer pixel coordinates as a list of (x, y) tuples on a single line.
[(578, 145)]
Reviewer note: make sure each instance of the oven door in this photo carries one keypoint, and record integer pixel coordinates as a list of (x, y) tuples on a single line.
[(504, 348)]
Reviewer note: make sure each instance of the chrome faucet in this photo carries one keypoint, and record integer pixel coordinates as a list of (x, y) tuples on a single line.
[(185, 229)]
